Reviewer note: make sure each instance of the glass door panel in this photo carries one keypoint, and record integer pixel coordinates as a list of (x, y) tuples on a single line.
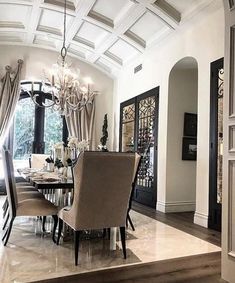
[(146, 141), (220, 134), (128, 128)]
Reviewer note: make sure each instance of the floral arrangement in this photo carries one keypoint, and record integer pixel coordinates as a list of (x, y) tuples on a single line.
[(73, 143), (58, 145)]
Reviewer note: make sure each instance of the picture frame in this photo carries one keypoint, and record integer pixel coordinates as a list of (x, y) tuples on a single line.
[(189, 148), (190, 124)]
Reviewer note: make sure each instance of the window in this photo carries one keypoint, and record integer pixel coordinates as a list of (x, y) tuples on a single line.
[(24, 128), (35, 128)]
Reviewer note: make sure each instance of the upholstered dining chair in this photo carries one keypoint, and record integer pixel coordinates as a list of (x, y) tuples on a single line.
[(102, 187), (24, 191), (37, 160), (26, 207)]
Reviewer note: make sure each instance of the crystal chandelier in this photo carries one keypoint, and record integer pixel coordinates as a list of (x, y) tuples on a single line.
[(67, 93)]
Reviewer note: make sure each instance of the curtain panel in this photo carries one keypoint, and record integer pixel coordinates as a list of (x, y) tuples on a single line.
[(9, 96), (81, 123)]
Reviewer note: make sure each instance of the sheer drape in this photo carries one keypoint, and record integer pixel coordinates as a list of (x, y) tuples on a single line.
[(9, 96), (81, 123)]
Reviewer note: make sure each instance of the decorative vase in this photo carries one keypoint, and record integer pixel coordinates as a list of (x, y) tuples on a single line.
[(50, 167), (69, 173)]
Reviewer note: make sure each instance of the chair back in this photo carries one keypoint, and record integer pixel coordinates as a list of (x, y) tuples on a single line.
[(102, 187), (37, 160), (10, 181), (137, 167)]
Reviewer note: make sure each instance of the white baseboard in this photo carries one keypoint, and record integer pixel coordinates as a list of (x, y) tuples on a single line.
[(176, 206), (201, 219)]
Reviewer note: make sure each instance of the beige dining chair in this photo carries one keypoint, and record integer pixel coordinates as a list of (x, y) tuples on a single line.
[(38, 160), (102, 187), (26, 207), (24, 191)]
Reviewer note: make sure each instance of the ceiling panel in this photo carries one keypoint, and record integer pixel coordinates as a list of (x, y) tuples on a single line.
[(107, 11), (79, 51), (90, 34), (52, 21), (148, 26), (183, 5), (60, 3), (121, 51), (12, 37), (104, 64), (17, 16), (44, 40)]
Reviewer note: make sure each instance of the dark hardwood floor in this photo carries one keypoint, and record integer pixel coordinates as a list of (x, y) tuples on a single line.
[(182, 221), (204, 268)]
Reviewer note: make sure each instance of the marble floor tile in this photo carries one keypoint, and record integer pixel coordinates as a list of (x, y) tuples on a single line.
[(31, 255)]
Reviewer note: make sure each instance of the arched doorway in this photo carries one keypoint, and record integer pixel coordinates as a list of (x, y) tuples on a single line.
[(182, 136)]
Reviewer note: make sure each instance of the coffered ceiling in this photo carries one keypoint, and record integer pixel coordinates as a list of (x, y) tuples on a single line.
[(107, 33)]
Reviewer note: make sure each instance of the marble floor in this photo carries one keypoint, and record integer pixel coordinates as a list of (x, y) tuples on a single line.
[(30, 255)]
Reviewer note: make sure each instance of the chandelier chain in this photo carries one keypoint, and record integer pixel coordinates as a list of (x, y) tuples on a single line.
[(64, 49)]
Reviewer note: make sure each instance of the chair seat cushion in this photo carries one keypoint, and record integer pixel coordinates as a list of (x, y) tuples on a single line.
[(26, 189), (29, 195), (36, 207)]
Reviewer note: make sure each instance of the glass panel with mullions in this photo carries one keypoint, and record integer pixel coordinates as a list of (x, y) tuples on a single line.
[(146, 115), (128, 128), (220, 134), (24, 129), (53, 128)]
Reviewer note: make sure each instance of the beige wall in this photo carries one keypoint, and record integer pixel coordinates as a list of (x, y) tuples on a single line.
[(181, 174), (202, 38), (37, 60)]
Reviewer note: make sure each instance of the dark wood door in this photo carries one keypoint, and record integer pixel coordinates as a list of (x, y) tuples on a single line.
[(138, 132), (216, 144)]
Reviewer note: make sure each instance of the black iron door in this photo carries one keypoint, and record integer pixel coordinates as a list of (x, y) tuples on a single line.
[(216, 144), (138, 132)]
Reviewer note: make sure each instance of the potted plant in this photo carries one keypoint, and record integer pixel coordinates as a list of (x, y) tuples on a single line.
[(104, 138)]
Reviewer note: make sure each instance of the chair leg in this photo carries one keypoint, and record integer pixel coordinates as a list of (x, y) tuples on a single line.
[(5, 204), (8, 232), (123, 239), (104, 233), (44, 218), (59, 230), (5, 209), (55, 218), (5, 223), (5, 234), (76, 245), (130, 221)]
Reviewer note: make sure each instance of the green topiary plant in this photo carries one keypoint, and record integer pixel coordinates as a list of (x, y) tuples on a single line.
[(104, 138)]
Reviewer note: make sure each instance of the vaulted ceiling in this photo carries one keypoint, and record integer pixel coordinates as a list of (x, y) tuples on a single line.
[(107, 33)]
